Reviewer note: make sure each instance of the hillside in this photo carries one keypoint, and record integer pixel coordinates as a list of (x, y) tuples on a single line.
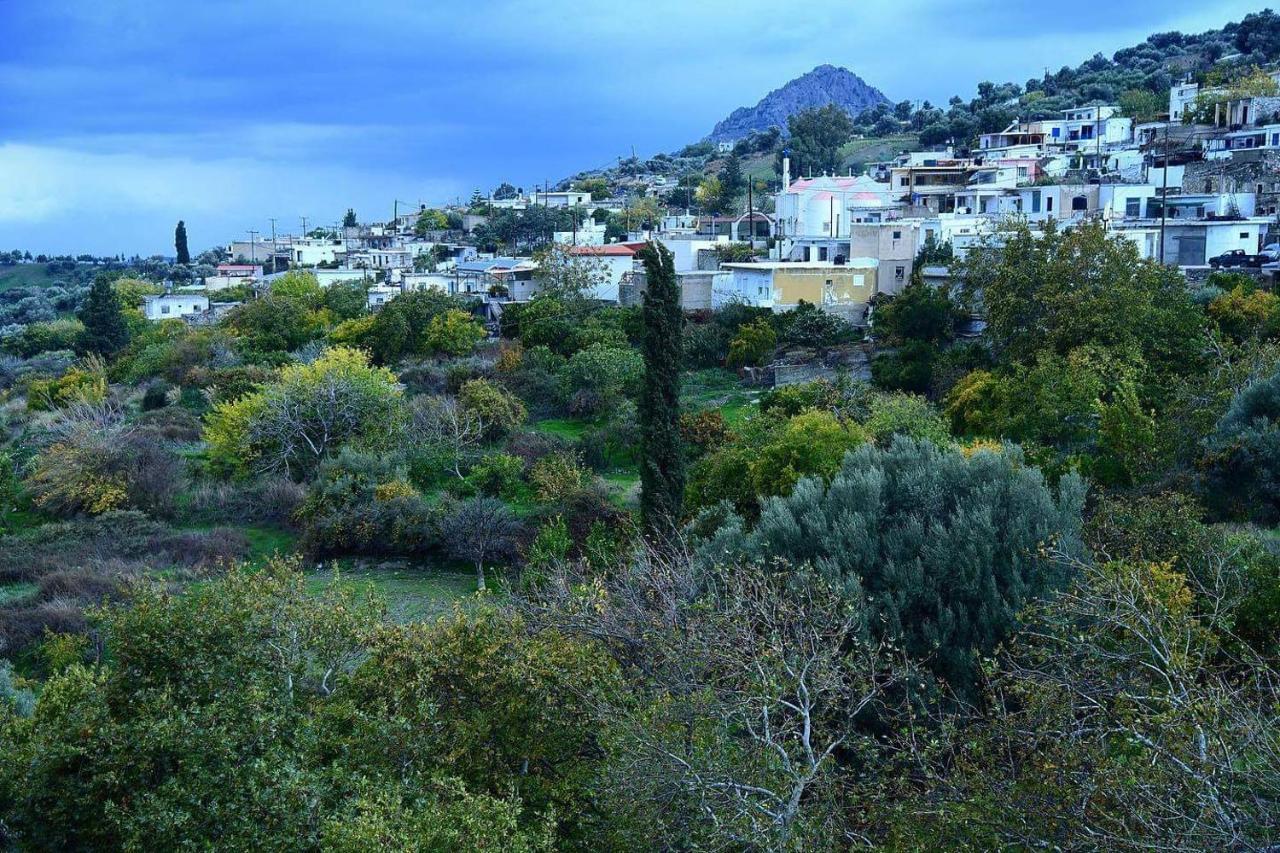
[(824, 85)]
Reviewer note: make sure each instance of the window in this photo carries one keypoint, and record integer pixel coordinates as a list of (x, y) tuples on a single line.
[(1080, 203), (822, 253), (1035, 201), (897, 235), (859, 280), (902, 182), (1132, 207), (899, 273), (164, 309), (1244, 235)]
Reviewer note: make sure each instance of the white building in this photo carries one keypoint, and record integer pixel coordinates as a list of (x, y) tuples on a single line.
[(614, 262), (233, 275), (173, 306), (310, 251), (379, 295)]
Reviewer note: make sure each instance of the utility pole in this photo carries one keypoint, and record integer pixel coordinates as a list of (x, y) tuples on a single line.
[(751, 214), (304, 226), (273, 245), (253, 247), (1164, 192)]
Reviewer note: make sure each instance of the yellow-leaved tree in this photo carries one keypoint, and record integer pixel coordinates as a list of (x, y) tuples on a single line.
[(311, 410)]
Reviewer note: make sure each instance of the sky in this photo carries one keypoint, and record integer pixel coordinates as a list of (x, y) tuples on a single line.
[(120, 117)]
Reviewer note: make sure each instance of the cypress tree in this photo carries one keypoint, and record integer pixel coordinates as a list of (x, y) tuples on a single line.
[(105, 331), (662, 456), (180, 243), (731, 176)]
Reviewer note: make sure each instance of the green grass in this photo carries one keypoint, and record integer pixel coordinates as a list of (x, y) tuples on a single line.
[(566, 428), (264, 541), (412, 592), (25, 275), (877, 149), (14, 592), (715, 388)]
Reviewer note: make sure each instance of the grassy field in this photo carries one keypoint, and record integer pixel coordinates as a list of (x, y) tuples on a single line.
[(411, 592), (25, 275), (718, 389), (863, 151), (570, 429)]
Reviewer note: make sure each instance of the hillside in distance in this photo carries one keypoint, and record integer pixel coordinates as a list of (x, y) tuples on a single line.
[(824, 85)]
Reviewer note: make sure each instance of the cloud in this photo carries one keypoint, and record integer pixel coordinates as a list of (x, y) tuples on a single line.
[(120, 114), (85, 200)]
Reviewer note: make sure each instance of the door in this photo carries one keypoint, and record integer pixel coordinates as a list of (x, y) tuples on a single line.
[(1190, 250)]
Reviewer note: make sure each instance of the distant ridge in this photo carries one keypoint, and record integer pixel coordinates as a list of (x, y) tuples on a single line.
[(824, 85)]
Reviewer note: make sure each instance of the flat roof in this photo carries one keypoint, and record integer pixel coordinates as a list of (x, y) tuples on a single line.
[(861, 263)]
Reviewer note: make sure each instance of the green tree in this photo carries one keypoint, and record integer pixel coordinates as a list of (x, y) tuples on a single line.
[(105, 331), (754, 344), (662, 453), (455, 332), (731, 176), (299, 285), (712, 195), (349, 220), (1243, 454), (430, 220), (270, 324), (921, 312), (598, 187), (812, 444), (816, 136), (400, 328), (498, 409), (946, 548), (312, 410), (183, 256)]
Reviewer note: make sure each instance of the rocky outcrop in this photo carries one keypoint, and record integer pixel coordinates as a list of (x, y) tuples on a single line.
[(824, 85)]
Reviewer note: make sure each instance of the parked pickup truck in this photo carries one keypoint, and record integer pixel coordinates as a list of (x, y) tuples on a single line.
[(1237, 258)]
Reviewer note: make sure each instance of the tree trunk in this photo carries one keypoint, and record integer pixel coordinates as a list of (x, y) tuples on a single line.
[(480, 575)]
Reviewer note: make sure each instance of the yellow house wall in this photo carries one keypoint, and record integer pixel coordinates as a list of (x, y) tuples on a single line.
[(791, 286)]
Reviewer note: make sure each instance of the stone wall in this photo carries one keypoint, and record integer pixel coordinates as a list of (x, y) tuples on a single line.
[(1245, 172)]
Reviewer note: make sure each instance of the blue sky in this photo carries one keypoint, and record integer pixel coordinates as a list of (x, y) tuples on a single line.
[(118, 117)]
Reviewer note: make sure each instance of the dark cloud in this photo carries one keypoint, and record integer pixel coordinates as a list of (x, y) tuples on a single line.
[(351, 103)]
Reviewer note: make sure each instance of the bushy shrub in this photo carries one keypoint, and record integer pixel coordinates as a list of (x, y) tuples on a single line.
[(808, 326), (91, 472), (35, 338), (609, 372), (704, 345), (79, 384), (1243, 454), (704, 431), (170, 424), (557, 477), (909, 368), (945, 549), (363, 504), (529, 447), (454, 333), (753, 345), (81, 563), (812, 443), (904, 414), (499, 410), (156, 396), (497, 475), (270, 500)]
